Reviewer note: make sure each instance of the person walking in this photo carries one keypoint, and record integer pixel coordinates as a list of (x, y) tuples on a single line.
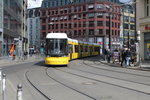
[(128, 57), (108, 55), (123, 57)]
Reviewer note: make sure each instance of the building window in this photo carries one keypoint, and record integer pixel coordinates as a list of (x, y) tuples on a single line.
[(79, 8), (75, 25), (99, 7), (56, 26), (126, 18), (62, 26), (91, 15), (43, 27), (107, 7), (126, 26), (84, 8), (107, 23), (75, 32), (69, 25), (91, 32), (132, 19), (99, 23), (75, 9), (79, 32), (99, 15), (132, 26), (91, 7), (69, 10), (84, 24), (84, 16), (107, 32), (91, 23), (100, 31), (91, 40), (43, 13), (107, 15), (147, 4), (112, 32), (84, 32), (56, 12), (126, 33), (52, 12), (79, 24)]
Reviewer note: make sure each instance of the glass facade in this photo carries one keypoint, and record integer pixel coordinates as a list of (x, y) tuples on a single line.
[(12, 23), (1, 26)]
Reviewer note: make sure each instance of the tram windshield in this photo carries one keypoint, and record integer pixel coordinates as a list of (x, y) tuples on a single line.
[(56, 47)]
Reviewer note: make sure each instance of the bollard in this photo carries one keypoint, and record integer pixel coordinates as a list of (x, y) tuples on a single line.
[(19, 92), (3, 86)]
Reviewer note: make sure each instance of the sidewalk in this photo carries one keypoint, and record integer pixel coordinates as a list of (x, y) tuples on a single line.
[(145, 66), (9, 61)]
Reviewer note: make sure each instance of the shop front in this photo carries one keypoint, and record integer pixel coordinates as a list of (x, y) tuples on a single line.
[(147, 46)]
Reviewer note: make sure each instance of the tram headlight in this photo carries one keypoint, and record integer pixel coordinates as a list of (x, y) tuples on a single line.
[(48, 56)]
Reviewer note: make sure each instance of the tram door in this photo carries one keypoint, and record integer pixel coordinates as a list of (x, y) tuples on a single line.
[(70, 51), (91, 50), (81, 50)]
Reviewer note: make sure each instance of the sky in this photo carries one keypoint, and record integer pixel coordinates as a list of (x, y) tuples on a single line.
[(37, 3)]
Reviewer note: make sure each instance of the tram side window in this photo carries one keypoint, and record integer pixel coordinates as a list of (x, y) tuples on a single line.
[(81, 48), (96, 49), (70, 48), (86, 49), (76, 48)]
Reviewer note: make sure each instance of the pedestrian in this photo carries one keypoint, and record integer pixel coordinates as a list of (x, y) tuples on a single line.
[(14, 54), (108, 55), (133, 58), (105, 54), (128, 57), (123, 57), (115, 56)]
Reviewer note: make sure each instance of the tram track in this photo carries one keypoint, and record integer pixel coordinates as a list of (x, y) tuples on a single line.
[(36, 88), (59, 82), (111, 77), (109, 83), (46, 70), (84, 62)]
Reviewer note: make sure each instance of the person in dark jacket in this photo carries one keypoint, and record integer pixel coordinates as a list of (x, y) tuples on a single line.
[(123, 56), (108, 55)]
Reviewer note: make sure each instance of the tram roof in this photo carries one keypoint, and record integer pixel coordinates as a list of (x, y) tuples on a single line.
[(57, 35)]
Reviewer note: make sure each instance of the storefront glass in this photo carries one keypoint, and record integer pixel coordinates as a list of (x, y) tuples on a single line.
[(147, 46)]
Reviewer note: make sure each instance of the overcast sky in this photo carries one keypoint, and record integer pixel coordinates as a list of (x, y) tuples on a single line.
[(37, 3)]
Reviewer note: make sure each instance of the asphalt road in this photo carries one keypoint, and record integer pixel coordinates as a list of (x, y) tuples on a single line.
[(82, 79)]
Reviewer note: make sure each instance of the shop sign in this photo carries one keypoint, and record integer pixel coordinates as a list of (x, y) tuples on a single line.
[(147, 27)]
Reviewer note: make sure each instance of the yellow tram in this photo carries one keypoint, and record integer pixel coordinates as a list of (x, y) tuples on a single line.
[(60, 49)]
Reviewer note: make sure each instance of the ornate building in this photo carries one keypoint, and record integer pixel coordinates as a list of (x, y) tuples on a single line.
[(95, 21), (143, 27)]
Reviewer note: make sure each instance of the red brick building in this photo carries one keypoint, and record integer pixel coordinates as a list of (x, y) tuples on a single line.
[(91, 21)]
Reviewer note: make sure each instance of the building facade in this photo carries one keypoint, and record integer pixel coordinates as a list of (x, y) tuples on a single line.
[(1, 27), (143, 27), (13, 24), (33, 21), (95, 21), (128, 26)]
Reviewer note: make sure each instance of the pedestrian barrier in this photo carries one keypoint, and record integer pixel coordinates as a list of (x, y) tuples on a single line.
[(19, 92), (3, 88)]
